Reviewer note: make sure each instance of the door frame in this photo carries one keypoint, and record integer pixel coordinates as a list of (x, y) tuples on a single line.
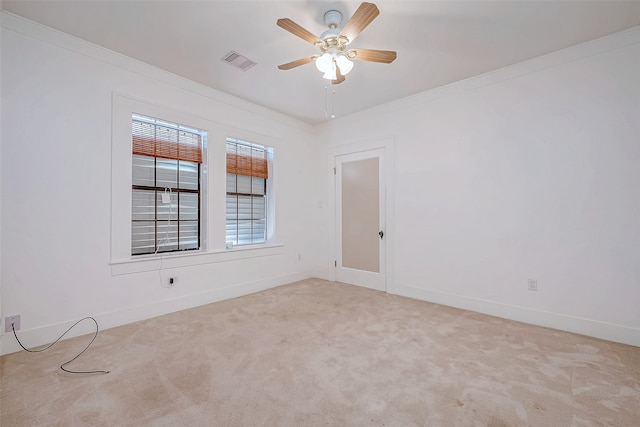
[(357, 276), (387, 144)]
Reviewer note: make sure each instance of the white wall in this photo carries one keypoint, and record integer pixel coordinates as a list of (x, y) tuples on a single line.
[(58, 98), (1, 312), (530, 172)]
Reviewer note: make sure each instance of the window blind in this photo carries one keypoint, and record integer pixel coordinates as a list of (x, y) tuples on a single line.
[(247, 160), (164, 140)]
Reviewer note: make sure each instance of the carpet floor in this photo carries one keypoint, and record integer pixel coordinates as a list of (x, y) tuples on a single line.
[(318, 353)]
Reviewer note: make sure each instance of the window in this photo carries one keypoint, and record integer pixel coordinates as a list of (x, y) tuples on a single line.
[(166, 190), (247, 180)]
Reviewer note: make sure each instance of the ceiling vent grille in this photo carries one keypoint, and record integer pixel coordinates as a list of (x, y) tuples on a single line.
[(238, 61)]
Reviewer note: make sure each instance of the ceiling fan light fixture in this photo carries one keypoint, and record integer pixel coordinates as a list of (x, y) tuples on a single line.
[(330, 74), (344, 64), (324, 62)]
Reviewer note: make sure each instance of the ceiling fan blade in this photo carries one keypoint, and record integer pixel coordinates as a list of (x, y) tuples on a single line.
[(296, 63), (297, 30), (339, 77), (365, 14), (372, 55)]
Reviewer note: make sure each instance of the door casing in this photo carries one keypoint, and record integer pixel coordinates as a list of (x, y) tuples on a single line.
[(360, 216), (387, 164)]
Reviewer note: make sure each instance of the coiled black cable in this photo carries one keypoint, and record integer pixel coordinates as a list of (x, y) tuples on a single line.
[(95, 335)]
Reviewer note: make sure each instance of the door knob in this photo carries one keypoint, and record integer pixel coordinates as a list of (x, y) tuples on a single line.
[(381, 234)]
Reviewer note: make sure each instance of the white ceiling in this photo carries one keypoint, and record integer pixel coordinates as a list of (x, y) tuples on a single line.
[(438, 42)]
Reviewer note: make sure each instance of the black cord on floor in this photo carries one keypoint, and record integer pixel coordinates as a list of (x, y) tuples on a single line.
[(59, 338)]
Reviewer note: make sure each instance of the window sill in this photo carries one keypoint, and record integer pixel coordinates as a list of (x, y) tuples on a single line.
[(144, 263)]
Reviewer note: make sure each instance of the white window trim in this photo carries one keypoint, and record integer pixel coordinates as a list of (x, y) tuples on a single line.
[(143, 263), (212, 237), (269, 195)]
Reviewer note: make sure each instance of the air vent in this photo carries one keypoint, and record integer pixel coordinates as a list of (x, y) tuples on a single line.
[(238, 61)]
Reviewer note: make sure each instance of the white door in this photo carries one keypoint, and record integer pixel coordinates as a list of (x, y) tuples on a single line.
[(360, 219)]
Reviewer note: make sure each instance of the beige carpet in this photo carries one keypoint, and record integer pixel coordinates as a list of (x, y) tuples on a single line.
[(317, 353)]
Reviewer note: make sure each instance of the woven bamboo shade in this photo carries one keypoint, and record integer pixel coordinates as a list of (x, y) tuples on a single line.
[(241, 164), (159, 141)]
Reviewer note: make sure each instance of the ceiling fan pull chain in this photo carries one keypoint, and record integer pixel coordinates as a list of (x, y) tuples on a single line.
[(326, 111), (326, 103), (333, 103)]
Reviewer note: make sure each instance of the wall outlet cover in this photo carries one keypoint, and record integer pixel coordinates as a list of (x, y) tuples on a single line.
[(15, 320)]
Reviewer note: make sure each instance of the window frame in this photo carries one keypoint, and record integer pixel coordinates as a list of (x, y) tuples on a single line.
[(253, 172), (146, 145)]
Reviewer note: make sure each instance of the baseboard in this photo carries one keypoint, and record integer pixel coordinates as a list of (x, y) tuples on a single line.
[(324, 273), (46, 334), (588, 327), (602, 330)]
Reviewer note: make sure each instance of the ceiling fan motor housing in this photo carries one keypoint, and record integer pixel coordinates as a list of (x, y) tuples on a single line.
[(332, 18)]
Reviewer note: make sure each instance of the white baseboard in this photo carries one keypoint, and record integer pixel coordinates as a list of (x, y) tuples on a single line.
[(324, 274), (46, 334), (588, 327)]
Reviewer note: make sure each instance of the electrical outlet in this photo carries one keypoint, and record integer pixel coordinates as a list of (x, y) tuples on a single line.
[(532, 285), (15, 320)]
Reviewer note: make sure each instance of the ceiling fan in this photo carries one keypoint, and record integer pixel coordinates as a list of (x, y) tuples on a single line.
[(336, 59)]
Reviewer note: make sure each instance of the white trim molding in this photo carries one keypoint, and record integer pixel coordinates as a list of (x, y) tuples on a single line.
[(387, 143), (606, 331)]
